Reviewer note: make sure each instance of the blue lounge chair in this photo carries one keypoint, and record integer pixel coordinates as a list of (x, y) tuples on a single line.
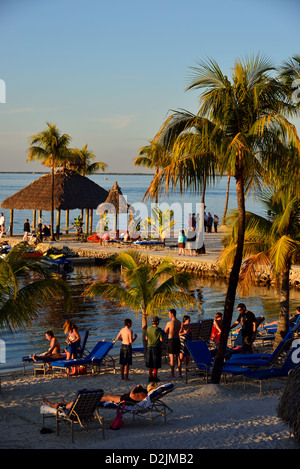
[(205, 362), (290, 363), (261, 359), (84, 410), (95, 359), (41, 365), (149, 408)]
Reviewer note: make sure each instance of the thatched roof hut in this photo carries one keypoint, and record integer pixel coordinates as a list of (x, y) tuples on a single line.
[(115, 203), (71, 191)]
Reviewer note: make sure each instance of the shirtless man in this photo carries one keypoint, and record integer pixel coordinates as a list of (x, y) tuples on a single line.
[(126, 335), (172, 329), (54, 350)]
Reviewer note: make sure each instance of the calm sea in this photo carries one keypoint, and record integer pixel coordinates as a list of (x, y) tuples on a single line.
[(102, 318)]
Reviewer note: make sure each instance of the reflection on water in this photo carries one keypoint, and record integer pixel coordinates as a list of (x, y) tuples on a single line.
[(103, 319)]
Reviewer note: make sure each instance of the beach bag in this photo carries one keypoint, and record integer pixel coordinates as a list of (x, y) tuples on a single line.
[(118, 421), (78, 370)]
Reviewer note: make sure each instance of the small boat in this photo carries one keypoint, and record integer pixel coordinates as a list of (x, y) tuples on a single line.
[(57, 261)]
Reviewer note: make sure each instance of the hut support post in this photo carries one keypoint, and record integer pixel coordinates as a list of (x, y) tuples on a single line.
[(91, 221), (34, 220), (67, 221), (87, 221), (57, 223), (11, 223)]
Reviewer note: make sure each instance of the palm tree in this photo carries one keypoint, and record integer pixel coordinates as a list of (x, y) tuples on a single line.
[(273, 241), (144, 290), (82, 161), (50, 147), (161, 222), (25, 286), (241, 122)]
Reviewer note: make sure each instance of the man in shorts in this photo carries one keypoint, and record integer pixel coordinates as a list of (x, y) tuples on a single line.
[(127, 338), (247, 320), (172, 329)]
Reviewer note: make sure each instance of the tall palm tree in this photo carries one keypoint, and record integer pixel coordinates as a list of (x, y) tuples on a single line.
[(272, 241), (242, 122), (146, 291), (51, 148), (25, 286), (82, 161)]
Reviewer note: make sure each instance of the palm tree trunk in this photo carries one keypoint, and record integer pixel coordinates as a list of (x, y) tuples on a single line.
[(226, 200), (233, 279), (52, 203), (283, 321)]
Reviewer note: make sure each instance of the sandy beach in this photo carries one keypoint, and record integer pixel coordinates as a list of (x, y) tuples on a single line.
[(205, 416)]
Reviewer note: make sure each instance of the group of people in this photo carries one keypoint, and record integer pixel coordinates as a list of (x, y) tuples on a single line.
[(210, 221), (54, 350), (178, 333), (42, 234)]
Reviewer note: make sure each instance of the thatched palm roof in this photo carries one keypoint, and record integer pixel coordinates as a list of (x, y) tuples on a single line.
[(71, 191), (116, 199)]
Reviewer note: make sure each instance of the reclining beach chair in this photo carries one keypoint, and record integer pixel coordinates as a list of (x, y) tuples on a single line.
[(97, 358), (205, 362), (272, 372), (261, 359), (202, 330), (41, 365), (149, 408), (84, 410)]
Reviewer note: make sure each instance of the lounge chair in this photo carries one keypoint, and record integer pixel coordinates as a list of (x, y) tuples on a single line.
[(205, 362), (41, 365), (290, 363), (97, 358), (149, 408), (261, 359), (84, 410), (202, 330)]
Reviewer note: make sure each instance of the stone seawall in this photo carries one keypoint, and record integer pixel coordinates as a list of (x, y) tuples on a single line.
[(205, 265)]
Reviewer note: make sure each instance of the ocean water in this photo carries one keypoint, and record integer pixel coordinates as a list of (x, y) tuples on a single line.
[(134, 187), (104, 319)]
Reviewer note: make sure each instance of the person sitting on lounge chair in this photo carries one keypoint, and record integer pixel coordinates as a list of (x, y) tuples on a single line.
[(54, 350)]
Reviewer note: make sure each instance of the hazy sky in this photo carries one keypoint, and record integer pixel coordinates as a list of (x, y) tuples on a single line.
[(108, 73)]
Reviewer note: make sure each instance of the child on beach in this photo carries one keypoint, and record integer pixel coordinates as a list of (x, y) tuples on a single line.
[(126, 335), (154, 337), (216, 328)]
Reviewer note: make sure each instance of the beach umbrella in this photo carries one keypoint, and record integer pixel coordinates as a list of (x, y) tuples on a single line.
[(116, 203)]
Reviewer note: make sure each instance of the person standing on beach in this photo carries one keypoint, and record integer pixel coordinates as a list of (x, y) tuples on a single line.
[(181, 243), (172, 329), (26, 230), (73, 339), (247, 320), (216, 222), (2, 223), (127, 338), (154, 337), (209, 222)]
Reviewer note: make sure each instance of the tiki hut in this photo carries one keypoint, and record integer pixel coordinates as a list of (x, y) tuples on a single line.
[(115, 203), (289, 405), (71, 191)]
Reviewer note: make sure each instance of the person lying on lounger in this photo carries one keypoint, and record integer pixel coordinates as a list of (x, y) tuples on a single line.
[(137, 394)]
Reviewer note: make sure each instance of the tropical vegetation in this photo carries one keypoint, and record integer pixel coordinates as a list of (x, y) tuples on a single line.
[(241, 129), (146, 290), (25, 286)]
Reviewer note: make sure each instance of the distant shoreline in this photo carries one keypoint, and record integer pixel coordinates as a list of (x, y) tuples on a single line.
[(95, 174)]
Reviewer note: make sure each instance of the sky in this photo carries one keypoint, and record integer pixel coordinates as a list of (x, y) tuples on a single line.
[(108, 73)]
